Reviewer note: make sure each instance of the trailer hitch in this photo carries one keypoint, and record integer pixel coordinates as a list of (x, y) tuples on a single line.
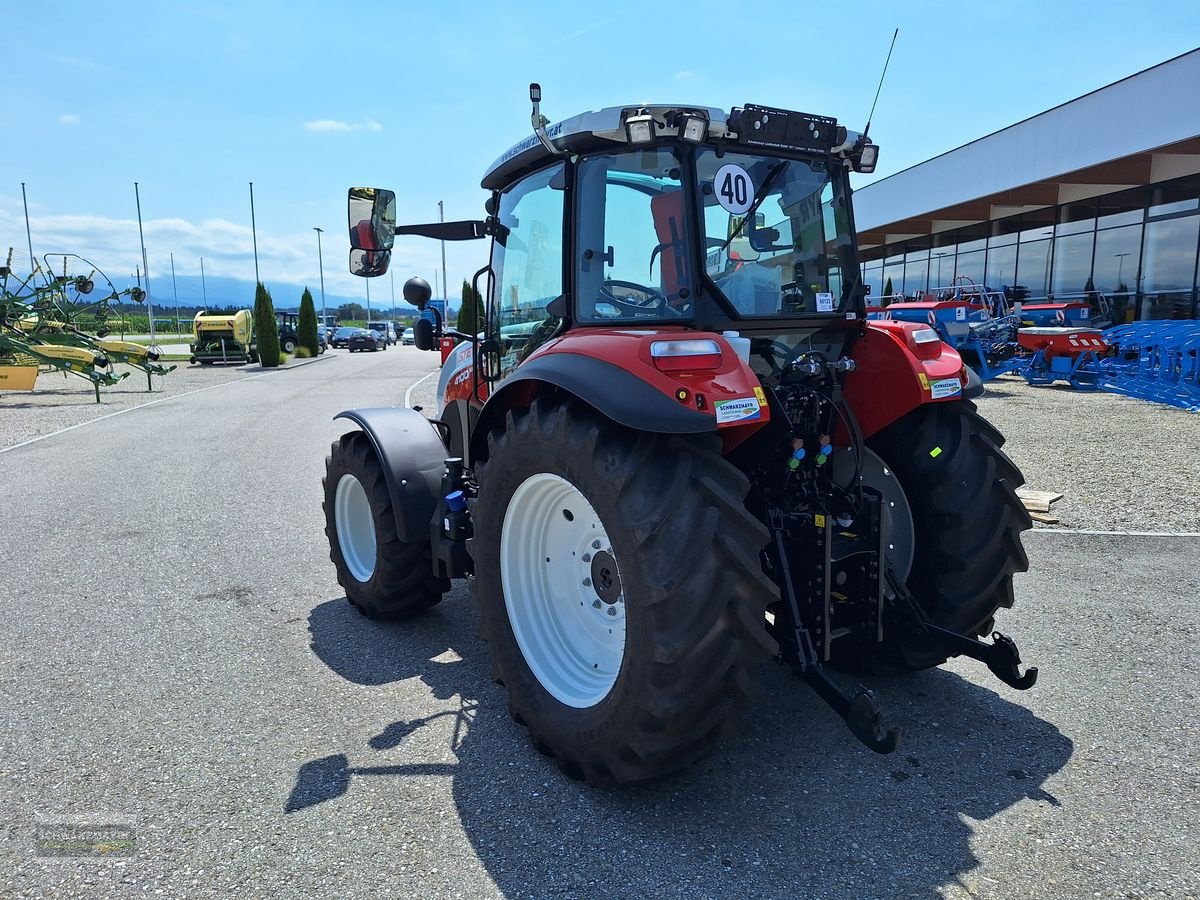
[(861, 711), (1001, 656)]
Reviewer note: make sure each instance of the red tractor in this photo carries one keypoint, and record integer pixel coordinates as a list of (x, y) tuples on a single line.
[(676, 446)]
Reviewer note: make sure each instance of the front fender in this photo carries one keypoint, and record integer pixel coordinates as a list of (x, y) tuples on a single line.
[(413, 459)]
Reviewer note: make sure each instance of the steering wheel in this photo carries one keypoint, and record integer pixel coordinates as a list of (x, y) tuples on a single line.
[(650, 298)]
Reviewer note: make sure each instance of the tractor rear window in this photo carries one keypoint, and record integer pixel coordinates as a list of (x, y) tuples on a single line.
[(632, 250), (773, 233)]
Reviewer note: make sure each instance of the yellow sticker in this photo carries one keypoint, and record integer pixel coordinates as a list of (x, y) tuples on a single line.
[(924, 381), (762, 398), (819, 520), (935, 452)]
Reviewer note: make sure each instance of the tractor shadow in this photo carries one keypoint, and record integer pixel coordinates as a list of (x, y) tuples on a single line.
[(793, 806)]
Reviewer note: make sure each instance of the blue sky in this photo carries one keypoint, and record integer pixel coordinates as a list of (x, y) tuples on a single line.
[(305, 99)]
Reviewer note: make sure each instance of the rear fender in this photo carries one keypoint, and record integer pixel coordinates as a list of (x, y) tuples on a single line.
[(613, 391), (894, 375), (413, 459)]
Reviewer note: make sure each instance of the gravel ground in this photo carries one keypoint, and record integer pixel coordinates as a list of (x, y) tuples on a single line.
[(1121, 464), (62, 401)]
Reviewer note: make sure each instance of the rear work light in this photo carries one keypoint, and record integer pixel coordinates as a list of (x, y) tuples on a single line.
[(686, 356), (923, 341)]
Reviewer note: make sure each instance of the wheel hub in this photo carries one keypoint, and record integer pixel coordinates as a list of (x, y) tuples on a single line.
[(606, 580)]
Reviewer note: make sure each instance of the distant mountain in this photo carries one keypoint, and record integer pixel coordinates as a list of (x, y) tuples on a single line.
[(222, 291)]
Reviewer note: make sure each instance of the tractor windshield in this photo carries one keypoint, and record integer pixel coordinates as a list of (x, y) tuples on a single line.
[(777, 235)]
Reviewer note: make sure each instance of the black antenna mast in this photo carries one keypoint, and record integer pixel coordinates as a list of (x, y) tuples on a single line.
[(871, 116)]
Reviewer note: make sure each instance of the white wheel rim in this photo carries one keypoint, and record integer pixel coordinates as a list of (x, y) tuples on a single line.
[(570, 631), (355, 527)]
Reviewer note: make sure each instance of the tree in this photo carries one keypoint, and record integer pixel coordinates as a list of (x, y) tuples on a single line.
[(887, 291), (351, 312), (266, 328), (470, 314), (306, 331)]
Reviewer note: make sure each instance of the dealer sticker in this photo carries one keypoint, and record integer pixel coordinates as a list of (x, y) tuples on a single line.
[(824, 302), (945, 387), (743, 409)]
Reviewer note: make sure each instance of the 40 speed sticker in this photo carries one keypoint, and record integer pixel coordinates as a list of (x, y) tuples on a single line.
[(743, 409), (945, 387)]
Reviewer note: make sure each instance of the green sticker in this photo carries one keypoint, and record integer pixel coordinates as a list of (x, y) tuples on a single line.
[(935, 452)]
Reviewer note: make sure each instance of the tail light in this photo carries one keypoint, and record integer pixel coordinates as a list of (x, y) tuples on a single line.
[(923, 341), (686, 355)]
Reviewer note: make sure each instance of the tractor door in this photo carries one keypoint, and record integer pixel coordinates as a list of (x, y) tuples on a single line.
[(527, 262)]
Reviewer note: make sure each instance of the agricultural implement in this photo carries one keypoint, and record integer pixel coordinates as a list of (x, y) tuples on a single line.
[(223, 338), (677, 446), (39, 325), (976, 322)]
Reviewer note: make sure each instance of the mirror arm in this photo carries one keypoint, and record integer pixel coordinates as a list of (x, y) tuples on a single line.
[(471, 230)]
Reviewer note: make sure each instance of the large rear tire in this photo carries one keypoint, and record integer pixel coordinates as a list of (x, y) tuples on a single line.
[(383, 576), (967, 524), (633, 663)]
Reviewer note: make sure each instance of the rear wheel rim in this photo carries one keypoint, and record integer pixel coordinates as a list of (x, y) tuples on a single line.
[(562, 590), (355, 527)]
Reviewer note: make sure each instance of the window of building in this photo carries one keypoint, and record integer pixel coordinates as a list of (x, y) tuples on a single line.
[(1074, 218), (1037, 225), (1072, 264), (1175, 197), (941, 267), (1004, 231), (1033, 268), (1169, 273), (970, 265), (1118, 254), (1001, 265), (916, 273), (1123, 208)]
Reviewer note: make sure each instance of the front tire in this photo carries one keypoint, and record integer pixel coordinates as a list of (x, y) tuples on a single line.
[(633, 663), (967, 524), (383, 576)]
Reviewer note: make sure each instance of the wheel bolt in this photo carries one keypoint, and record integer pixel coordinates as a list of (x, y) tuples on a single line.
[(587, 582), (587, 557), (595, 604), (612, 610), (595, 545)]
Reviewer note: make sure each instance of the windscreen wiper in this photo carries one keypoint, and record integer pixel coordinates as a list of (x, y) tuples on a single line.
[(759, 197)]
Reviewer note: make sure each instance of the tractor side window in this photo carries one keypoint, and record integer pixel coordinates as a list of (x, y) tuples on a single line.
[(631, 256), (528, 262)]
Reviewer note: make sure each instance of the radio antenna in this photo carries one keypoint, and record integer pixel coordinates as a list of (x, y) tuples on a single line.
[(871, 116)]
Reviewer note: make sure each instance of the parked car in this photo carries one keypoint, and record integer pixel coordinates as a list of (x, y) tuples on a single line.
[(387, 329), (341, 337), (409, 337), (366, 339)]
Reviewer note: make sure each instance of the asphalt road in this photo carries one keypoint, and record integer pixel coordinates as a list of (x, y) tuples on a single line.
[(177, 657)]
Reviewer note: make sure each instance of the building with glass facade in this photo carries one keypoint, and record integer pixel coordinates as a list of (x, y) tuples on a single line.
[(1096, 199)]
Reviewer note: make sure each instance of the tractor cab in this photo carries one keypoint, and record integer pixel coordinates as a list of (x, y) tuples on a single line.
[(653, 216)]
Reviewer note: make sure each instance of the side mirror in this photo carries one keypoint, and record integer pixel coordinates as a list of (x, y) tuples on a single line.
[(369, 263), (372, 217), (423, 334)]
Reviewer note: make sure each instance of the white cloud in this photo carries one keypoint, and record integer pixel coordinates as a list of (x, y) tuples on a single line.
[(684, 74), (337, 125), (68, 119)]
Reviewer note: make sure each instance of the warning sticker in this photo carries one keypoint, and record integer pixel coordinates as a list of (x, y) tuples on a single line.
[(743, 409), (733, 188), (824, 302), (760, 396), (960, 313), (945, 387), (924, 381)]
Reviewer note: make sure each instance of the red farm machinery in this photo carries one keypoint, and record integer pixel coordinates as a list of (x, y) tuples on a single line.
[(676, 446)]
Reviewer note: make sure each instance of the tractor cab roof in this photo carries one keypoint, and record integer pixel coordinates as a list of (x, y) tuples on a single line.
[(609, 128)]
